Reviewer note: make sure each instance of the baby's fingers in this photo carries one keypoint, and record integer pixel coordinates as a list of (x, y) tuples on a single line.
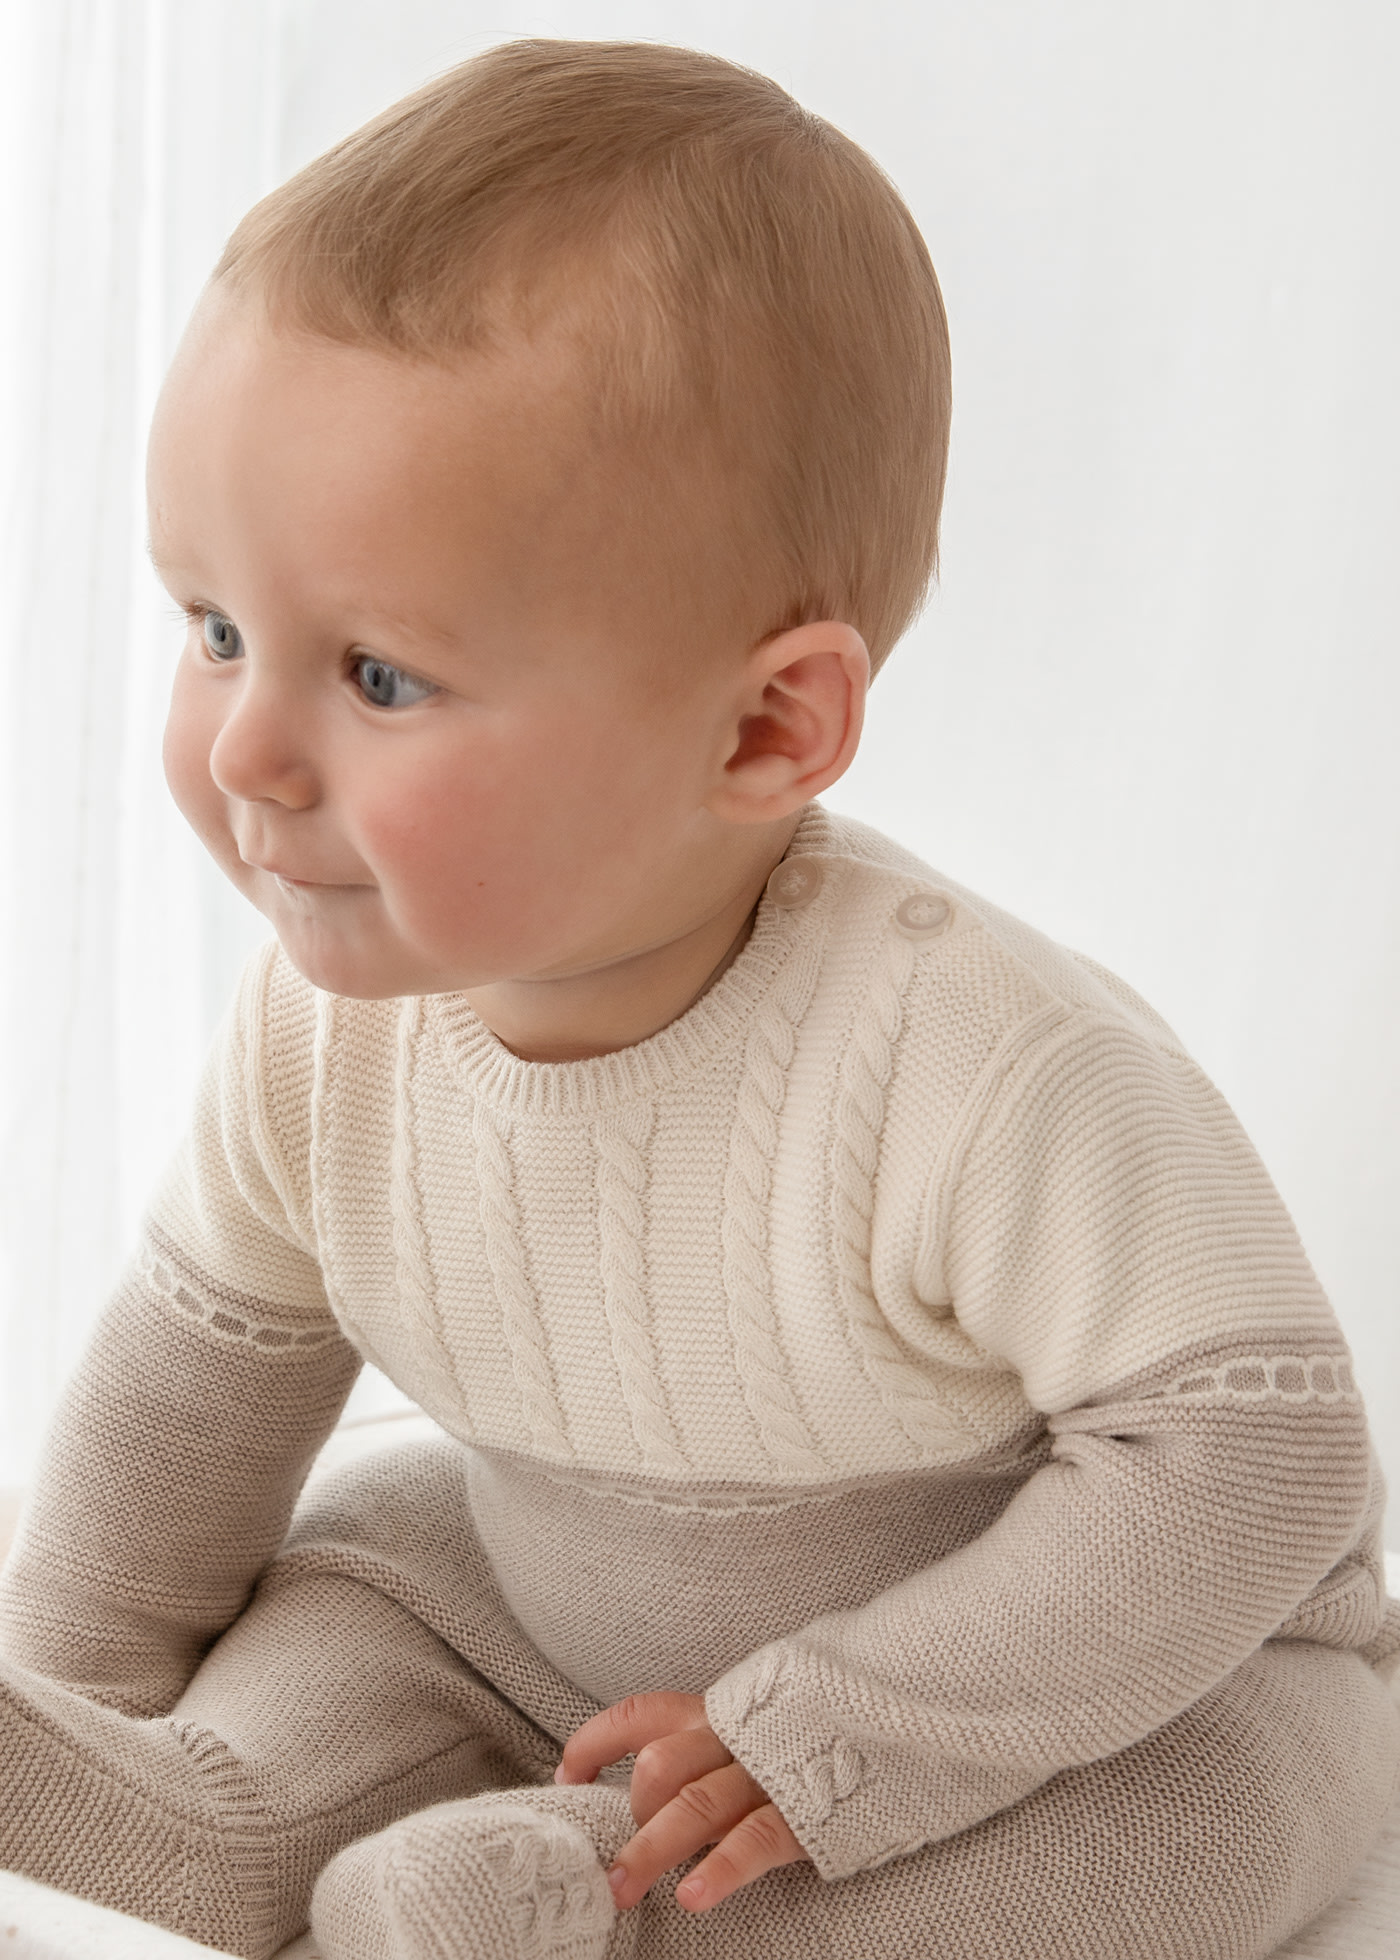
[(703, 1812), (756, 1844), (626, 1726), (664, 1767)]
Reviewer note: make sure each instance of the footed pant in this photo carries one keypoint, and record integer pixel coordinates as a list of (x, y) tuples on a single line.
[(377, 1672)]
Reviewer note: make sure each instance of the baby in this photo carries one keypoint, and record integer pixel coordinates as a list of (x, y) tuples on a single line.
[(884, 1394)]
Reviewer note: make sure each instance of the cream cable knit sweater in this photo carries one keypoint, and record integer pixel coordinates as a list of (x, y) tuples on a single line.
[(905, 1348)]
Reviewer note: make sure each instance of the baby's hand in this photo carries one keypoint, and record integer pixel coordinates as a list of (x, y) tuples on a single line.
[(687, 1791)]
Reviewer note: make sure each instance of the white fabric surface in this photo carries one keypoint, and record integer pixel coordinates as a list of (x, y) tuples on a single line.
[(37, 1923)]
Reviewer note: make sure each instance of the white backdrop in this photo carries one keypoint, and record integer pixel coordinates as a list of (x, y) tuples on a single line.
[(1152, 707)]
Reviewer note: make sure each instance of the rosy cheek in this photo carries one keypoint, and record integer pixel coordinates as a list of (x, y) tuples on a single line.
[(454, 841), (425, 830)]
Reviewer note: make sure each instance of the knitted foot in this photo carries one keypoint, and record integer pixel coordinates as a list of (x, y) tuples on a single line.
[(515, 1875)]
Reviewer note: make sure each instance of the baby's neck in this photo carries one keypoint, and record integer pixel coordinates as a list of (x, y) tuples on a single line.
[(574, 1017)]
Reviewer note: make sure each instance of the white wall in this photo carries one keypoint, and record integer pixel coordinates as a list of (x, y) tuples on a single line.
[(1152, 705)]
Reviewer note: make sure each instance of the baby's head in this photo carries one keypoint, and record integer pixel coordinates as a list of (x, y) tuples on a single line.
[(537, 472)]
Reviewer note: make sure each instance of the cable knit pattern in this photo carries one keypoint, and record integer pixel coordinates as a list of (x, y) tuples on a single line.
[(515, 1878), (771, 1671), (520, 1318), (831, 1775), (545, 1895), (620, 1140), (418, 1289), (763, 1368), (855, 1159)]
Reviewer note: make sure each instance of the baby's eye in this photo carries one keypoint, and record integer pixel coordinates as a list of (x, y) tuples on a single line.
[(222, 637), (389, 687)]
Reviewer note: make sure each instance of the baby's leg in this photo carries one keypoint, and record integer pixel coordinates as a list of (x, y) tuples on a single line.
[(329, 1708), (1211, 1840)]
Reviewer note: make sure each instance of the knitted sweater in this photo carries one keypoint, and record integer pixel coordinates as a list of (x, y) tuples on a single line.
[(904, 1348)]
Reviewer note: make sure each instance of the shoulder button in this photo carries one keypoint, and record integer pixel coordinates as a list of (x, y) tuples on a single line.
[(924, 915), (795, 883)]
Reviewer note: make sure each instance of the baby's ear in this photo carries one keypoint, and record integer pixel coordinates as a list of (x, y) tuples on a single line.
[(799, 709)]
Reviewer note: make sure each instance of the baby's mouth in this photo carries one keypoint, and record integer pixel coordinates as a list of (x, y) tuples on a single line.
[(291, 882)]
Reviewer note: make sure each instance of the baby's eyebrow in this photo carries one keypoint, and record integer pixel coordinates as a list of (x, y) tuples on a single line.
[(399, 626)]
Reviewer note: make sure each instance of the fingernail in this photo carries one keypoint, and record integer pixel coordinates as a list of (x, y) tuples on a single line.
[(691, 1891), (617, 1877)]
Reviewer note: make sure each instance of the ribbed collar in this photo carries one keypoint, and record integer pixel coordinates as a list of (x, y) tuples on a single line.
[(718, 1019)]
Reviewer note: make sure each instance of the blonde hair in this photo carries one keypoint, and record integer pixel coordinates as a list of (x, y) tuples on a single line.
[(745, 280)]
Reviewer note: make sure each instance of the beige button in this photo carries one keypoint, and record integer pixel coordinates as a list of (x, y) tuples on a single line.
[(924, 915), (795, 883)]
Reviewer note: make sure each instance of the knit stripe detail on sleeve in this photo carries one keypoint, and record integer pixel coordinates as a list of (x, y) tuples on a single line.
[(221, 1311), (167, 1480)]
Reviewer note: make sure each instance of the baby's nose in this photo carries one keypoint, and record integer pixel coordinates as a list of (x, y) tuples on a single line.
[(260, 754)]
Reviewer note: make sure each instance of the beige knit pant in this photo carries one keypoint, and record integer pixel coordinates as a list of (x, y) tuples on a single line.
[(377, 1672)]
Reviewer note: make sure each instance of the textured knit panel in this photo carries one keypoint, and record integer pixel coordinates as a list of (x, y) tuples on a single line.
[(1281, 1772), (702, 1576), (675, 1280), (235, 1195), (1212, 1839), (211, 1380), (517, 1877), (167, 1481), (592, 1268), (1103, 1207), (400, 1522)]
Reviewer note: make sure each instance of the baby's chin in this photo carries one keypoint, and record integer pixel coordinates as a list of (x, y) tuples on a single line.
[(353, 965), (352, 941), (362, 964)]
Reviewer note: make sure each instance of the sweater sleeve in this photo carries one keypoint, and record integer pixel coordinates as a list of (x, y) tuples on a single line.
[(1105, 1229), (210, 1381)]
